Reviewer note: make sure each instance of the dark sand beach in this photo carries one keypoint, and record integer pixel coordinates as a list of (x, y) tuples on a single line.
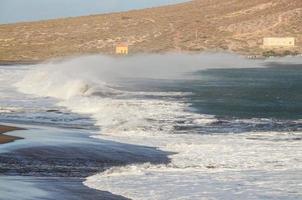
[(52, 163), (7, 138)]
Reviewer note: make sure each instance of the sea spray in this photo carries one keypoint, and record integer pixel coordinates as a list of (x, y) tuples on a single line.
[(197, 160)]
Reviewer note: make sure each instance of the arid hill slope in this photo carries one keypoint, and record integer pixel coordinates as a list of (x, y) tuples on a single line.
[(232, 25)]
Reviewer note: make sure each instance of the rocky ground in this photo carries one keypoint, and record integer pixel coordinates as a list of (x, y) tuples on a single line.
[(200, 25)]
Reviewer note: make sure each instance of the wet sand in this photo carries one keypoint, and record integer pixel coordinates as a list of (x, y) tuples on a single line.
[(50, 188), (51, 163), (7, 138)]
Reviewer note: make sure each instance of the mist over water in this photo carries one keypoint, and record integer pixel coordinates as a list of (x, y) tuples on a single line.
[(97, 70), (223, 116)]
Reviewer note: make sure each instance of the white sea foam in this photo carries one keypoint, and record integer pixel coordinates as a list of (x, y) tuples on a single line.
[(9, 98), (220, 166), (202, 166), (11, 109)]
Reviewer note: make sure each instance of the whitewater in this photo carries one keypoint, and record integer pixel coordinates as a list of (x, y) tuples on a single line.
[(136, 100)]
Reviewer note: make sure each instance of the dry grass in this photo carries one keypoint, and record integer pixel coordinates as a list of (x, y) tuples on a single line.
[(236, 25)]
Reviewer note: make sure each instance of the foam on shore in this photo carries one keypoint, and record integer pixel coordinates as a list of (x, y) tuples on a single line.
[(201, 165)]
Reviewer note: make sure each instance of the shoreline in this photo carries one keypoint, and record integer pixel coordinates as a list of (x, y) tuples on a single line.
[(19, 62), (56, 59), (52, 163), (8, 138)]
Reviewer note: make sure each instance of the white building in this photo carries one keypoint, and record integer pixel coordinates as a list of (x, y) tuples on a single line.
[(277, 42)]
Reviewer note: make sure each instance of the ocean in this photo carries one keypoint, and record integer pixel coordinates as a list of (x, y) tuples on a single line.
[(207, 126)]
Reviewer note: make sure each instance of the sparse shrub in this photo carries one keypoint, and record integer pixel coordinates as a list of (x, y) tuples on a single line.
[(125, 17), (272, 53), (290, 53), (269, 53)]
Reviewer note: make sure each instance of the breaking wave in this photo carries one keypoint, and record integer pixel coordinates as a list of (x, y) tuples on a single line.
[(162, 119)]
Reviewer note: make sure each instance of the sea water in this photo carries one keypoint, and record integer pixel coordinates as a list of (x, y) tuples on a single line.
[(232, 126)]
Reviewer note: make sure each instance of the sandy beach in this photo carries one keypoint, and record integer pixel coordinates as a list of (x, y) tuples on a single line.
[(7, 138)]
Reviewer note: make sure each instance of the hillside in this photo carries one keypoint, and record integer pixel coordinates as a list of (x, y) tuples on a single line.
[(231, 25)]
